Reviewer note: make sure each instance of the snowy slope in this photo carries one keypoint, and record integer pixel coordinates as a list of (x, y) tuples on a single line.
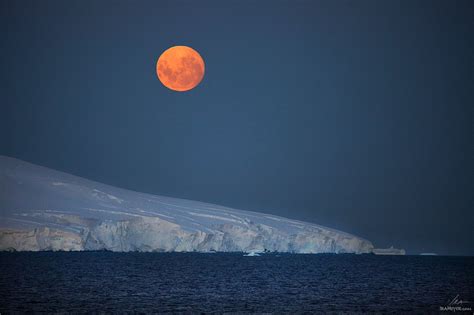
[(43, 209)]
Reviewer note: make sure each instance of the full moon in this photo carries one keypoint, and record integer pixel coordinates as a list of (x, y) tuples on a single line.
[(180, 68)]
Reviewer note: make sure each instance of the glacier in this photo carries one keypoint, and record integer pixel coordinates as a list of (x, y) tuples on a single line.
[(43, 209)]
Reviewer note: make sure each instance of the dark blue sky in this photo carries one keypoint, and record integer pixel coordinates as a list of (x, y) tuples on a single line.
[(357, 115)]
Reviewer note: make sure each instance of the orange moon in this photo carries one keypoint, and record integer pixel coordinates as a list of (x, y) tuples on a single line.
[(180, 68)]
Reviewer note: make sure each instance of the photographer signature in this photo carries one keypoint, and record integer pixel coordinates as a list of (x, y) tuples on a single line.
[(456, 301), (456, 305)]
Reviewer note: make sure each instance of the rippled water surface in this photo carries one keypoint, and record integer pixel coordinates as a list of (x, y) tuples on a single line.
[(188, 282)]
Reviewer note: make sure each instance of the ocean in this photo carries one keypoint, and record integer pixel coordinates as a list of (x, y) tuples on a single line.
[(229, 282)]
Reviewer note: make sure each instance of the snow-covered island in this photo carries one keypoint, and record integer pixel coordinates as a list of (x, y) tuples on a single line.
[(43, 209)]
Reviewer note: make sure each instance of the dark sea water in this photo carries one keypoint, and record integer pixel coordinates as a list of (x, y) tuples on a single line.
[(216, 283)]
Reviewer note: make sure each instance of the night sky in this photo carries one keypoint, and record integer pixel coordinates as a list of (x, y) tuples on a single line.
[(357, 115)]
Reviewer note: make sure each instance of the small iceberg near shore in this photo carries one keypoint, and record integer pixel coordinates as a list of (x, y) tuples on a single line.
[(252, 254), (388, 251)]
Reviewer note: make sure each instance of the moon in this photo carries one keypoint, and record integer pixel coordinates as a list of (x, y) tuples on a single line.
[(180, 68)]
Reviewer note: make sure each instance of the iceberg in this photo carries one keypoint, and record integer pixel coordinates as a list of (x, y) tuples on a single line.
[(252, 254), (389, 251), (43, 209)]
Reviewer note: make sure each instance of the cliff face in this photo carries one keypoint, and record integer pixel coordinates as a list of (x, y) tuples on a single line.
[(42, 209)]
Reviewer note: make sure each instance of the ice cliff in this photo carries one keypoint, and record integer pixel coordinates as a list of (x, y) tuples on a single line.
[(43, 209)]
